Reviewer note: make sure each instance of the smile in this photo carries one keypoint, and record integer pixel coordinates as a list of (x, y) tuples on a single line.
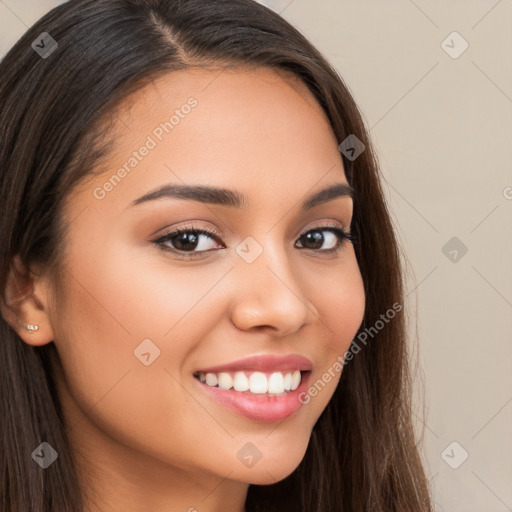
[(264, 387), (272, 384)]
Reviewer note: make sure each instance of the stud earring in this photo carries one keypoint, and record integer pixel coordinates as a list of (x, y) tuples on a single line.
[(31, 328)]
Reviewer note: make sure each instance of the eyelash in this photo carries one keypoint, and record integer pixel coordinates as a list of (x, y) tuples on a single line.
[(341, 234)]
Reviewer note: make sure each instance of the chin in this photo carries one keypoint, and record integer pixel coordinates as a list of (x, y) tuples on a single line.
[(271, 471), (271, 476)]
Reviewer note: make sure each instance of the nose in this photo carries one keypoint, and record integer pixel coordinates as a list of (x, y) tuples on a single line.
[(269, 296)]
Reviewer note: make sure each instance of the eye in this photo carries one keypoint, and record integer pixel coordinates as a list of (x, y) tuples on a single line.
[(334, 240), (189, 241)]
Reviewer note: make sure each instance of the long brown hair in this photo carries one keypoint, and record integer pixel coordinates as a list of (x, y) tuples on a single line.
[(362, 455)]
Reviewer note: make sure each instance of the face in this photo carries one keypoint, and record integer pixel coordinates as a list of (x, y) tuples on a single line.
[(144, 309)]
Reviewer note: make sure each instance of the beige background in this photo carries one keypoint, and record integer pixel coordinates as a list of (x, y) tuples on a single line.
[(442, 127)]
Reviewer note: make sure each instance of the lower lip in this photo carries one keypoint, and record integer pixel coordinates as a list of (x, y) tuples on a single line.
[(259, 407)]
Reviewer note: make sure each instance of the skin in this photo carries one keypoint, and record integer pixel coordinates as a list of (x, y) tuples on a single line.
[(148, 437)]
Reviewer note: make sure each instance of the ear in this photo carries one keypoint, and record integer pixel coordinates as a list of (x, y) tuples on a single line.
[(27, 301)]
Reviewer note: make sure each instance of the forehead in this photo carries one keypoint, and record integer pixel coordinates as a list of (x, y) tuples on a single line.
[(263, 102), (213, 84), (225, 127)]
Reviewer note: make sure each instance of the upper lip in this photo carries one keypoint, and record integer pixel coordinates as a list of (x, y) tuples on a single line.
[(264, 363)]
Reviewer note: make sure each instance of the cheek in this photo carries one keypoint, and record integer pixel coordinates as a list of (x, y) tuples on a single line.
[(337, 294), (113, 304), (339, 299), (150, 295), (110, 387)]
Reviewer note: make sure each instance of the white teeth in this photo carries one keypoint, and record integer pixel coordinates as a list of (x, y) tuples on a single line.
[(258, 383), (288, 382), (276, 383), (225, 381), (240, 382), (211, 379), (295, 379)]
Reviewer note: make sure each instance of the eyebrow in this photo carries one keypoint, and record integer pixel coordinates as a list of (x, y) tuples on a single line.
[(234, 199)]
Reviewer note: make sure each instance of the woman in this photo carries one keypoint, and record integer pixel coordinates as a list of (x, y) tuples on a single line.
[(202, 301)]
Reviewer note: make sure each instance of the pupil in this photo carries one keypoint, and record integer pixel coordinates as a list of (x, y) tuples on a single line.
[(315, 236), (182, 241)]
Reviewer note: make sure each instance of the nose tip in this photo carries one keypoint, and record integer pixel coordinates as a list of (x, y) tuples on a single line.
[(269, 296)]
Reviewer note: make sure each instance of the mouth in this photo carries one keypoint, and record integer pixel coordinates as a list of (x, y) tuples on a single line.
[(259, 396)]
